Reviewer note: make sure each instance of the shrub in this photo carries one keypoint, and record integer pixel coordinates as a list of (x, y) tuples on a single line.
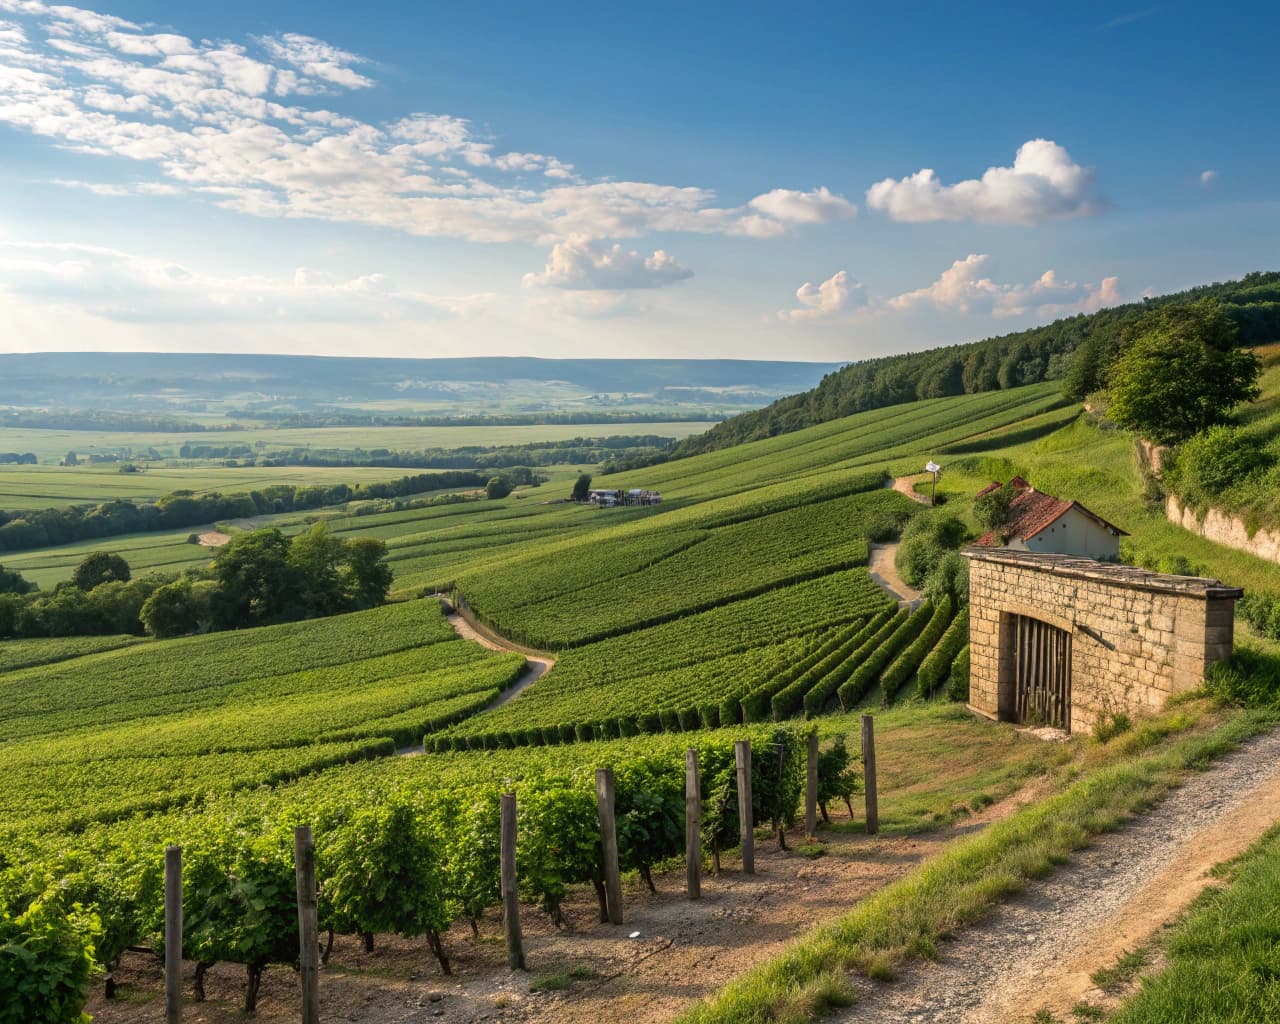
[(958, 686), (1213, 461), (1250, 678), (1111, 725), (925, 540), (992, 509), (949, 579), (938, 665)]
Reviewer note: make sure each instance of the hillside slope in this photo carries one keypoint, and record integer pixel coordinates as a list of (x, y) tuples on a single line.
[(1010, 360)]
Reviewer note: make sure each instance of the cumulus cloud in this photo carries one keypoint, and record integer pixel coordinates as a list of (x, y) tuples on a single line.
[(239, 125), (123, 287), (584, 265), (1207, 178), (1044, 183), (964, 288), (838, 294), (821, 206)]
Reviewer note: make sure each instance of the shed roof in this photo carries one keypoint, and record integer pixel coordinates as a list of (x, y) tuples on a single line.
[(1108, 572)]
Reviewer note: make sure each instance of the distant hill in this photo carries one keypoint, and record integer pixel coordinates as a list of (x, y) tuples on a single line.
[(1067, 350), (254, 385)]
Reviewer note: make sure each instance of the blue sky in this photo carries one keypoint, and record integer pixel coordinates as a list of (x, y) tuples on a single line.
[(618, 180)]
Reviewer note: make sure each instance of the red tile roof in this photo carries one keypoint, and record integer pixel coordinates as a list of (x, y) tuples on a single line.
[(1032, 512)]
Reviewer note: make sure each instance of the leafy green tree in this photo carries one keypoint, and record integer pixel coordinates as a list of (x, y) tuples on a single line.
[(13, 582), (581, 487), (925, 539), (366, 577), (181, 607), (315, 558), (1182, 375), (101, 567), (256, 580), (497, 487)]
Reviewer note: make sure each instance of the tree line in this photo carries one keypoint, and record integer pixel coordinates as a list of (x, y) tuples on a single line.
[(258, 579), (23, 530), (1078, 350)]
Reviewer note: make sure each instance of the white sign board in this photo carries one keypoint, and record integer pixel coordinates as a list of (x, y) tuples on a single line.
[(932, 467)]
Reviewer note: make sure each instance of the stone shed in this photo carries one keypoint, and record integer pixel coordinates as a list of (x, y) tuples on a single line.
[(1063, 641)]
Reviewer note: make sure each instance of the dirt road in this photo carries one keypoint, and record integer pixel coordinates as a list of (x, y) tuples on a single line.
[(1038, 951)]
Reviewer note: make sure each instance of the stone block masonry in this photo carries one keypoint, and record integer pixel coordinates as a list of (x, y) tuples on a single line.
[(1136, 637)]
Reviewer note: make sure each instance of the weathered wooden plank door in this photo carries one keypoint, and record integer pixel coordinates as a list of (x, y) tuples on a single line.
[(1042, 673)]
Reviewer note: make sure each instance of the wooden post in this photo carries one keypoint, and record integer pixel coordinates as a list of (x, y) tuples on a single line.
[(304, 864), (746, 827), (510, 901), (869, 773), (692, 825), (609, 844), (811, 788), (172, 934)]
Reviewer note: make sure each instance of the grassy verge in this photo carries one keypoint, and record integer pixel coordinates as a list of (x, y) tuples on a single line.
[(1224, 957), (910, 917)]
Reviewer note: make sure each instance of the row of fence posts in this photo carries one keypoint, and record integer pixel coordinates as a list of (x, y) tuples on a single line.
[(304, 855)]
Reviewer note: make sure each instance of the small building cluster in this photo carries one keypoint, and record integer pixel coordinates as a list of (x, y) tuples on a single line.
[(613, 498)]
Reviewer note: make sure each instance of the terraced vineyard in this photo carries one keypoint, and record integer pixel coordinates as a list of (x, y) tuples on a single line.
[(740, 600)]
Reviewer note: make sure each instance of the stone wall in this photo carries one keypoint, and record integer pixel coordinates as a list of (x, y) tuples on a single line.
[(1225, 529), (1136, 636)]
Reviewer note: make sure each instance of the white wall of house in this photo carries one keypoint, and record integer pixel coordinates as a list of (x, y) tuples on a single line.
[(1073, 534)]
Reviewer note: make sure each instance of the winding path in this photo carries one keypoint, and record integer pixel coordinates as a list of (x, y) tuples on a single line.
[(536, 663), (1038, 950)]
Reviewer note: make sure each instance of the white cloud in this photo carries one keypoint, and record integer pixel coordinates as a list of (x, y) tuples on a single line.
[(821, 206), (212, 118), (964, 288), (317, 59), (1207, 178), (584, 265), (838, 294), (1044, 183), (126, 288)]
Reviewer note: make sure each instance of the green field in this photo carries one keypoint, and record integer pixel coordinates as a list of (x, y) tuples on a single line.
[(51, 446), (742, 598)]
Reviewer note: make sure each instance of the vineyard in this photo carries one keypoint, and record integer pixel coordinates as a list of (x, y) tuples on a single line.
[(735, 609)]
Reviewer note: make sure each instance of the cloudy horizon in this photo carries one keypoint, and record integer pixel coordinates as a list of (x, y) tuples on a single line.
[(294, 181)]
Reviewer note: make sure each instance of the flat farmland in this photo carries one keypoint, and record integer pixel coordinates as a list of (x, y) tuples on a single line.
[(51, 446)]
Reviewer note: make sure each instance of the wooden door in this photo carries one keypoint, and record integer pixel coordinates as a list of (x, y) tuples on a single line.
[(1042, 673)]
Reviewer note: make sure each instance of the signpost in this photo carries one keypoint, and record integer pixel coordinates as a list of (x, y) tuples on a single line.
[(935, 469)]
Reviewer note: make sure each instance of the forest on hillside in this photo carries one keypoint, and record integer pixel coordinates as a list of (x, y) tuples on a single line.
[(1073, 349)]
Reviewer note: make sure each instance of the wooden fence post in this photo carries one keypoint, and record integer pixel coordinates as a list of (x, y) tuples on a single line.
[(746, 826), (304, 864), (172, 934), (811, 788), (869, 773), (605, 803), (692, 825), (510, 901)]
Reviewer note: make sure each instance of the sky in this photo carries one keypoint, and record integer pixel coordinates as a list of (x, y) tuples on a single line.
[(661, 180)]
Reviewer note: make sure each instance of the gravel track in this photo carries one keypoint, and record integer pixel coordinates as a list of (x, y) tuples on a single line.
[(1038, 949)]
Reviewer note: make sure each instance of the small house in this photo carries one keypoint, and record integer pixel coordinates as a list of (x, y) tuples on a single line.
[(1039, 522), (604, 498)]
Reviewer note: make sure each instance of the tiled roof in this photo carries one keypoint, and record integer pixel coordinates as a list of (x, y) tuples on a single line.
[(1032, 512)]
